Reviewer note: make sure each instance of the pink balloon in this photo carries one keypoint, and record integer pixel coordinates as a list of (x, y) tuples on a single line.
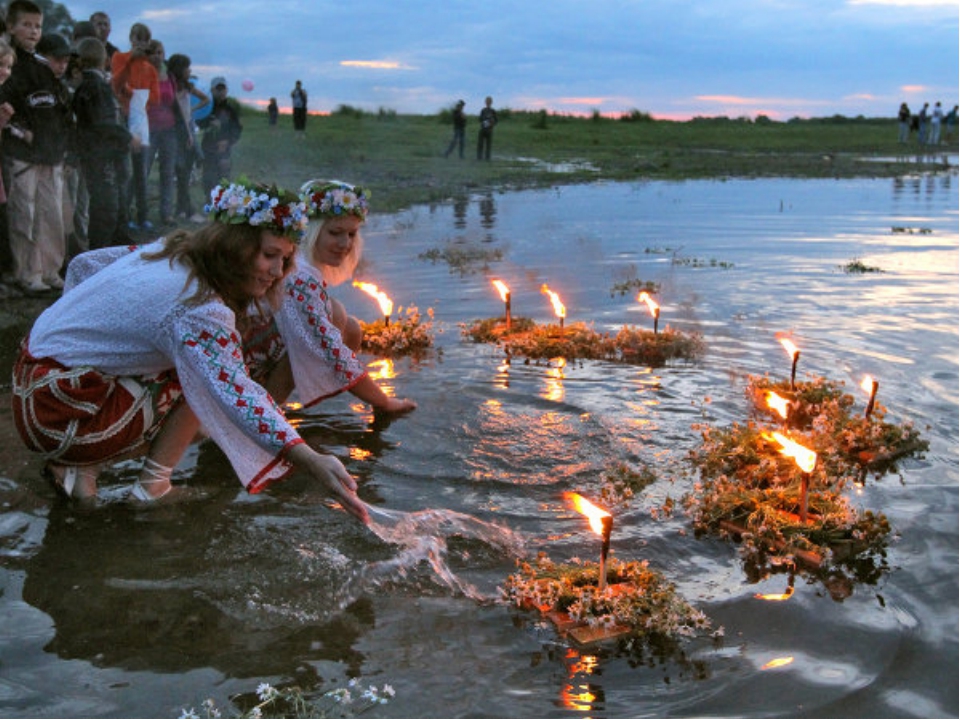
[(247, 85)]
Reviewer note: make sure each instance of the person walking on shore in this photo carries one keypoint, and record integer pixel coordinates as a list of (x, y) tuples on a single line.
[(459, 128)]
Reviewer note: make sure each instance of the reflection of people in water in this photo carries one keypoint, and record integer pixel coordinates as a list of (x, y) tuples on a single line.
[(488, 211)]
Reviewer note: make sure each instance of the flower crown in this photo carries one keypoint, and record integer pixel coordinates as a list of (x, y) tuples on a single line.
[(333, 198), (271, 208)]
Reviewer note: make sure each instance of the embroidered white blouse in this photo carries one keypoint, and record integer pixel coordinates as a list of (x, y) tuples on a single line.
[(127, 317), (322, 364)]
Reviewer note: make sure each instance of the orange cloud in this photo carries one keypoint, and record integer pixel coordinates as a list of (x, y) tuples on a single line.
[(913, 88)]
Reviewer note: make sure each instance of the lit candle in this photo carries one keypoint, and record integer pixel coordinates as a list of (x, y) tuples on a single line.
[(558, 308), (652, 306), (794, 354), (780, 404), (505, 296), (805, 459), (870, 385), (386, 304), (601, 522)]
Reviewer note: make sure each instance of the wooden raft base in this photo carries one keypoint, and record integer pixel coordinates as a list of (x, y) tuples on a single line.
[(807, 558), (580, 632)]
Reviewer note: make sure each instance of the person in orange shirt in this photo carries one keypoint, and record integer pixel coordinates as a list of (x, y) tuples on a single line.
[(136, 84)]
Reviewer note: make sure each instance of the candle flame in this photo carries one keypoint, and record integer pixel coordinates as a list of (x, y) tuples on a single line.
[(386, 304), (502, 288), (788, 345), (806, 459), (593, 513), (652, 305), (778, 403), (868, 384), (778, 662), (559, 310)]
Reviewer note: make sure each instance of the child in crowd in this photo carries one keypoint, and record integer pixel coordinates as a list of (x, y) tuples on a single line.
[(188, 149), (34, 150), (103, 143)]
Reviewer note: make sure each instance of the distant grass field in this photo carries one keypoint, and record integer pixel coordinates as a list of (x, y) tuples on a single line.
[(400, 157)]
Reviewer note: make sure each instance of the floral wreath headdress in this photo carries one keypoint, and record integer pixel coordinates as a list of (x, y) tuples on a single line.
[(274, 209), (333, 198)]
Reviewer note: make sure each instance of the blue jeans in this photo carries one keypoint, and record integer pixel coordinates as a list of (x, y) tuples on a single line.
[(164, 144)]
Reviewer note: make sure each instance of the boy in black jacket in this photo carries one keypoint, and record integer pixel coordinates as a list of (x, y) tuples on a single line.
[(33, 151), (102, 145)]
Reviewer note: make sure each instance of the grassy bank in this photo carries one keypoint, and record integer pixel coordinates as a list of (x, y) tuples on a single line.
[(401, 156)]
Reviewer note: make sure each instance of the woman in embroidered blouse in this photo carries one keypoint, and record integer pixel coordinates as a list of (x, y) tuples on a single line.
[(314, 344), (140, 355)]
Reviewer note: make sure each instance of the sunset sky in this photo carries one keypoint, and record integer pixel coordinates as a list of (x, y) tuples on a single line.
[(670, 58)]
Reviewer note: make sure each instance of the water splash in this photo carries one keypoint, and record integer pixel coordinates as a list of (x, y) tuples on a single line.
[(422, 538)]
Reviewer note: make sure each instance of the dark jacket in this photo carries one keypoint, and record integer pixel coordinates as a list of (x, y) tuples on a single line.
[(41, 105), (228, 116), (100, 130)]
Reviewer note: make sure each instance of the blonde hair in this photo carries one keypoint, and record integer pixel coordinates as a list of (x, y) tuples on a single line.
[(333, 274), (7, 49)]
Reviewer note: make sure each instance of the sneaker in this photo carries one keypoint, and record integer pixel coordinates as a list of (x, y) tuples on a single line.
[(34, 286)]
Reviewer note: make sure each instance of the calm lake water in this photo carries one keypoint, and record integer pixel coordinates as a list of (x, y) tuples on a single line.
[(121, 613)]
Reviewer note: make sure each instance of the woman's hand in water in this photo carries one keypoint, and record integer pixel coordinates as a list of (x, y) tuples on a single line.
[(336, 480), (397, 405)]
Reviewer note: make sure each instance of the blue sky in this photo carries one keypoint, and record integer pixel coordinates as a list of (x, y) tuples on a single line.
[(670, 58)]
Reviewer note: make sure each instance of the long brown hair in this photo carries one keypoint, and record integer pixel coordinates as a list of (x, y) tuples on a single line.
[(220, 257)]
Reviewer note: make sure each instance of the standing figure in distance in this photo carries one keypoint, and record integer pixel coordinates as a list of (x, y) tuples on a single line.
[(459, 129), (273, 111), (903, 117), (488, 119), (298, 97)]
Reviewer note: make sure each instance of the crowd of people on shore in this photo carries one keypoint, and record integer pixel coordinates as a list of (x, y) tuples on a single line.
[(932, 126), (84, 123)]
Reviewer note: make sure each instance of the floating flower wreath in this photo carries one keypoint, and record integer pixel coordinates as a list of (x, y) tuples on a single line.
[(272, 208), (333, 198)]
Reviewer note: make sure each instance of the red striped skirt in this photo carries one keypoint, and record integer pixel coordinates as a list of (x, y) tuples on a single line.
[(82, 416)]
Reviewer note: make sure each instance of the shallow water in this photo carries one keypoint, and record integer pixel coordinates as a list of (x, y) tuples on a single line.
[(113, 612)]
